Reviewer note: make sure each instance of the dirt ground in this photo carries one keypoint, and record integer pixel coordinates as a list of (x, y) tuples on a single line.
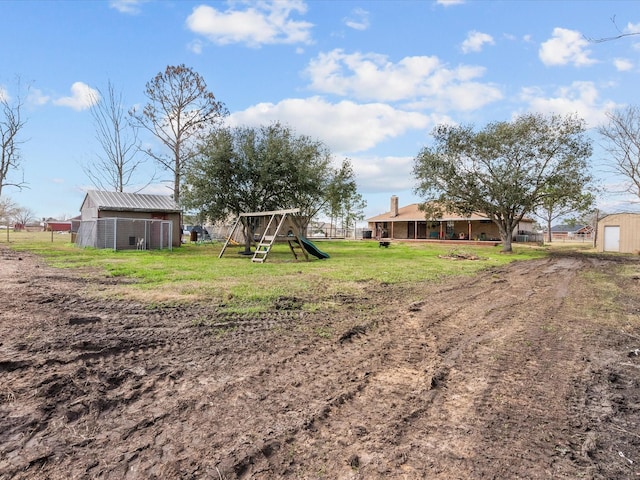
[(526, 371)]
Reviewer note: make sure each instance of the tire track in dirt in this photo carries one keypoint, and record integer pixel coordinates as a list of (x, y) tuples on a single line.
[(108, 354), (493, 374), (405, 388), (454, 385)]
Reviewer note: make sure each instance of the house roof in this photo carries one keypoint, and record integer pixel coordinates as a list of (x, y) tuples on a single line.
[(52, 221), (412, 213), (131, 202), (568, 229)]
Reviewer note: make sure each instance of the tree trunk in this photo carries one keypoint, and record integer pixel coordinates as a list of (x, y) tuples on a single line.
[(506, 234), (177, 167), (549, 237), (507, 242), (248, 235), (176, 185), (301, 222)]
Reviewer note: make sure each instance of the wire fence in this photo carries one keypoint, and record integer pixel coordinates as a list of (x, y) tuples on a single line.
[(126, 234)]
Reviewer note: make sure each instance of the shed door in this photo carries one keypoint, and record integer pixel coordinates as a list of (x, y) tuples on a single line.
[(611, 238)]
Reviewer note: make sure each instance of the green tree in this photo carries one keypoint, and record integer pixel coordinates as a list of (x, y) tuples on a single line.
[(554, 207), (179, 110), (342, 198), (505, 170), (353, 211), (247, 169)]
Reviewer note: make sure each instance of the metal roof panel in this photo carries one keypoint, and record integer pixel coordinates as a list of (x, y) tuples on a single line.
[(104, 200)]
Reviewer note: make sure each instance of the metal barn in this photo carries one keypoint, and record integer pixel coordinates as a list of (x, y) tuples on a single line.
[(129, 221)]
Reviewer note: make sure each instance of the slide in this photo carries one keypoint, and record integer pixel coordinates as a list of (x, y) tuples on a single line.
[(312, 249)]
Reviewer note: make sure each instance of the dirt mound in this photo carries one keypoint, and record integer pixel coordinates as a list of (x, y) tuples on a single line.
[(526, 371)]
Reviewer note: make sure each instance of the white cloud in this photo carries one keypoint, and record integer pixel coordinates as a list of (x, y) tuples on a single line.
[(421, 80), (632, 28), (343, 127), (464, 97), (131, 7), (448, 3), (195, 47), (566, 47), (260, 23), (475, 41), (82, 97), (359, 19), (4, 95), (36, 97), (580, 98), (623, 64), (383, 174)]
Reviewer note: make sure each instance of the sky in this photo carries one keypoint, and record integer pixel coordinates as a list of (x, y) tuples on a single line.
[(370, 79)]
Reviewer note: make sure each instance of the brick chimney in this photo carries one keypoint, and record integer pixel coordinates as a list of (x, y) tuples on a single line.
[(394, 206)]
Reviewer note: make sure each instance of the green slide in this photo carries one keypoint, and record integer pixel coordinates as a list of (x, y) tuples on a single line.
[(312, 249)]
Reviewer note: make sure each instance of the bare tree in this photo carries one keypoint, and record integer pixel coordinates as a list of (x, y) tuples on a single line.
[(7, 213), (620, 34), (116, 165), (23, 215), (11, 124), (622, 141), (179, 110), (7, 210)]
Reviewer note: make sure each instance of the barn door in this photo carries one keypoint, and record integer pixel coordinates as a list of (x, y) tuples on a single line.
[(611, 238)]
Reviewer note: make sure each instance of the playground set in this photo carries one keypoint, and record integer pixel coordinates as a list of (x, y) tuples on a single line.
[(270, 228)]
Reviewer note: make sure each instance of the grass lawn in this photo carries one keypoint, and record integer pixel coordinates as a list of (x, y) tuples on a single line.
[(195, 273)]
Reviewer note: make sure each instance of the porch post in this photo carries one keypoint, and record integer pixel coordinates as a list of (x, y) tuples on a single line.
[(469, 221), (441, 235), (415, 230)]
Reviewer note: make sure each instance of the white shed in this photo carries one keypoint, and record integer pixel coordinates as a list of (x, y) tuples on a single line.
[(619, 232)]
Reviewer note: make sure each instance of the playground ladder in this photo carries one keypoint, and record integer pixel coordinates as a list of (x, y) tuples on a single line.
[(295, 244), (266, 242)]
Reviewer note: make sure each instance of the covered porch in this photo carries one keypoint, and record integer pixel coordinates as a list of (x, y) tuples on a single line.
[(409, 223), (441, 230)]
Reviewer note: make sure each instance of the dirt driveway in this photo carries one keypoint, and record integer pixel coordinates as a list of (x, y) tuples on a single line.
[(527, 371)]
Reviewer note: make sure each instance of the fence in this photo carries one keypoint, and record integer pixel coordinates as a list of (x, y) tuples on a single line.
[(125, 234), (572, 238)]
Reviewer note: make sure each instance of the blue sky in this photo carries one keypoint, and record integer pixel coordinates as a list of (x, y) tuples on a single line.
[(368, 78)]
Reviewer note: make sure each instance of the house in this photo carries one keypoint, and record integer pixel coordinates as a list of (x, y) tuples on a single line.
[(619, 232), (567, 232), (121, 220), (53, 225), (409, 223)]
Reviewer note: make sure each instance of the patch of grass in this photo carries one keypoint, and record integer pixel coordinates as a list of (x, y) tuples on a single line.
[(607, 288), (324, 332), (195, 273)]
